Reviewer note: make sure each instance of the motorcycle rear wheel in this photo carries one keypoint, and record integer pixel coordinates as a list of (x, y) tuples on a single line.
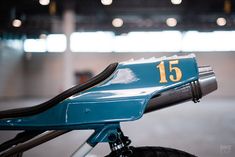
[(156, 152), (150, 152), (159, 152)]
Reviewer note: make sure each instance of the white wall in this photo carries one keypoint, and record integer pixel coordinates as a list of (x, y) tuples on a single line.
[(11, 72)]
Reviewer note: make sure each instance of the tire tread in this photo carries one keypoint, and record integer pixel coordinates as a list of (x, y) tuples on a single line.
[(158, 152)]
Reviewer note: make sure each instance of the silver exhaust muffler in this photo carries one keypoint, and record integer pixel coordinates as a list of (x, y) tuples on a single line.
[(192, 91)]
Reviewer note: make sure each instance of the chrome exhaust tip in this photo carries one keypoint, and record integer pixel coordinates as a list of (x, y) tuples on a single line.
[(207, 80)]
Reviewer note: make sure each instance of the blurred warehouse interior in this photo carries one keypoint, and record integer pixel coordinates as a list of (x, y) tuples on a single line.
[(45, 42), (47, 46)]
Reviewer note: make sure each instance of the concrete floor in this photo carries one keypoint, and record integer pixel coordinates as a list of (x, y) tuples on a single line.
[(206, 129)]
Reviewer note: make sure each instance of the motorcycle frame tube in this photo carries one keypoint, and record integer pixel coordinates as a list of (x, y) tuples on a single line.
[(100, 134), (42, 138), (83, 150)]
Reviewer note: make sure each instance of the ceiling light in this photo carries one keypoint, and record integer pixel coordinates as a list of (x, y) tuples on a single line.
[(16, 23), (106, 2), (176, 2), (117, 22), (44, 2), (221, 21), (171, 22), (43, 36)]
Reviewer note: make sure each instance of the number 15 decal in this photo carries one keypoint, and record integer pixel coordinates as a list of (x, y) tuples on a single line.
[(176, 73)]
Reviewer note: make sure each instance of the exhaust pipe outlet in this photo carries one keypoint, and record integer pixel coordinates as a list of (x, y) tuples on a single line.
[(192, 91), (207, 80)]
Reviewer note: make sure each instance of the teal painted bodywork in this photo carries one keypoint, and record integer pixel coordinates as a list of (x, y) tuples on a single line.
[(121, 97)]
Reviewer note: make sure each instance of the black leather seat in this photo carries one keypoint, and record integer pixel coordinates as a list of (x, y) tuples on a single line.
[(28, 111)]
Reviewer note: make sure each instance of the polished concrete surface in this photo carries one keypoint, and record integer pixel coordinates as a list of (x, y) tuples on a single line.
[(206, 129)]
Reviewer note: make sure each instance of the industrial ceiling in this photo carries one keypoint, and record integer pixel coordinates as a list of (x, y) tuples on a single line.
[(92, 15)]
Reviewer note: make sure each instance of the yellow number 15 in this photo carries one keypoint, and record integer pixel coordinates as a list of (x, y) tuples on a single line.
[(176, 72)]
